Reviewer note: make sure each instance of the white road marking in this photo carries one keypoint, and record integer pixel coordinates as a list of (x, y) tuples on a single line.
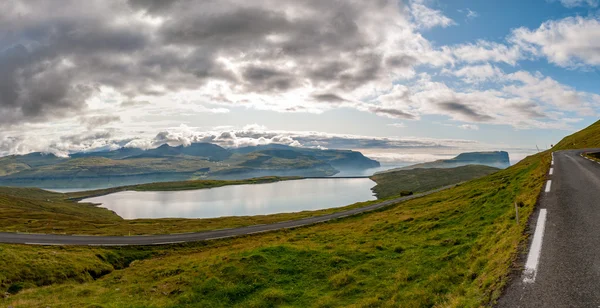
[(548, 185), (551, 171), (536, 248), (552, 163), (45, 244)]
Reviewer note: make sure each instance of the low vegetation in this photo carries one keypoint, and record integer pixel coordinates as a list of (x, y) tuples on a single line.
[(419, 180), (449, 248), (452, 248)]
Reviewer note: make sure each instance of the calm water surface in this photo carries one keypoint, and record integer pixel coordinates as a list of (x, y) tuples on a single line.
[(239, 200)]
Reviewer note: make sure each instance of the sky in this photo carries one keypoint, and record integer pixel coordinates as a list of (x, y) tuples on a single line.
[(401, 81)]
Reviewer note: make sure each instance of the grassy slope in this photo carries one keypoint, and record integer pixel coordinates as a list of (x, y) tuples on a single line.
[(589, 137), (451, 248), (418, 180)]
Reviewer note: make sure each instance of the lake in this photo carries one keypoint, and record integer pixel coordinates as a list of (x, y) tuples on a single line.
[(239, 200)]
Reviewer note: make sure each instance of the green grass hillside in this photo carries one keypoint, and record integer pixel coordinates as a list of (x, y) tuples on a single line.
[(419, 180), (454, 248), (588, 137)]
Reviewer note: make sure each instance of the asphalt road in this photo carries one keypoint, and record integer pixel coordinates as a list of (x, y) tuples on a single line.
[(55, 239), (567, 272)]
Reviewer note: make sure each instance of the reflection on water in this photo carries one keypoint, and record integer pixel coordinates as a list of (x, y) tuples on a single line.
[(239, 200)]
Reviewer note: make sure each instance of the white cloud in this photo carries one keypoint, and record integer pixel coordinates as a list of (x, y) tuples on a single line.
[(576, 3), (519, 99), (572, 41), (476, 73), (427, 18), (485, 51), (472, 14), (469, 127), (397, 125)]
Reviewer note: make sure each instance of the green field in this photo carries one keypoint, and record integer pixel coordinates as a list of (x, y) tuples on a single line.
[(453, 248), (419, 180), (449, 248)]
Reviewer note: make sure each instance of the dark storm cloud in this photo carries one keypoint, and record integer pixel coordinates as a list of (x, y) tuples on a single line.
[(329, 97), (401, 61), (50, 64), (464, 110), (265, 79), (97, 121)]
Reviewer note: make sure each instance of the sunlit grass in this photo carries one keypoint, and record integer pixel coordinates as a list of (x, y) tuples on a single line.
[(452, 248)]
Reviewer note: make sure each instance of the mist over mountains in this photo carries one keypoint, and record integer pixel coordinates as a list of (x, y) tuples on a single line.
[(168, 163), (496, 159)]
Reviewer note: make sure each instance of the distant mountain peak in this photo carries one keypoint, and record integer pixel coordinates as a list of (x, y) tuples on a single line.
[(497, 159)]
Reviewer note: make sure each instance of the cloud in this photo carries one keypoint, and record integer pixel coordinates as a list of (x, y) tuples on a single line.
[(576, 3), (388, 149), (485, 51), (60, 146), (469, 127), (397, 125), (97, 121), (257, 54), (464, 110), (127, 104), (472, 14), (329, 97), (477, 73), (391, 113), (158, 62), (428, 18), (520, 99), (568, 42)]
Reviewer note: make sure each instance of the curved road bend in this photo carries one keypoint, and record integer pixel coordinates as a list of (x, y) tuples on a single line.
[(90, 240), (563, 264)]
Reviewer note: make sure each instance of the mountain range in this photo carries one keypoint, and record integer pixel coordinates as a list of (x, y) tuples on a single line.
[(496, 159), (169, 163)]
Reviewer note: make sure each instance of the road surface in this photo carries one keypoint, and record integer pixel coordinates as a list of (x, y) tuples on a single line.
[(90, 240), (562, 268)]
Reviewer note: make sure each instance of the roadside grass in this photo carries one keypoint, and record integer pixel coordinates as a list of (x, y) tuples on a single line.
[(423, 179), (588, 137), (593, 155), (452, 248), (35, 266)]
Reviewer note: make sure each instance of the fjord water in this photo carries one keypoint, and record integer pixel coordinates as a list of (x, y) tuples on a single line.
[(239, 200)]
